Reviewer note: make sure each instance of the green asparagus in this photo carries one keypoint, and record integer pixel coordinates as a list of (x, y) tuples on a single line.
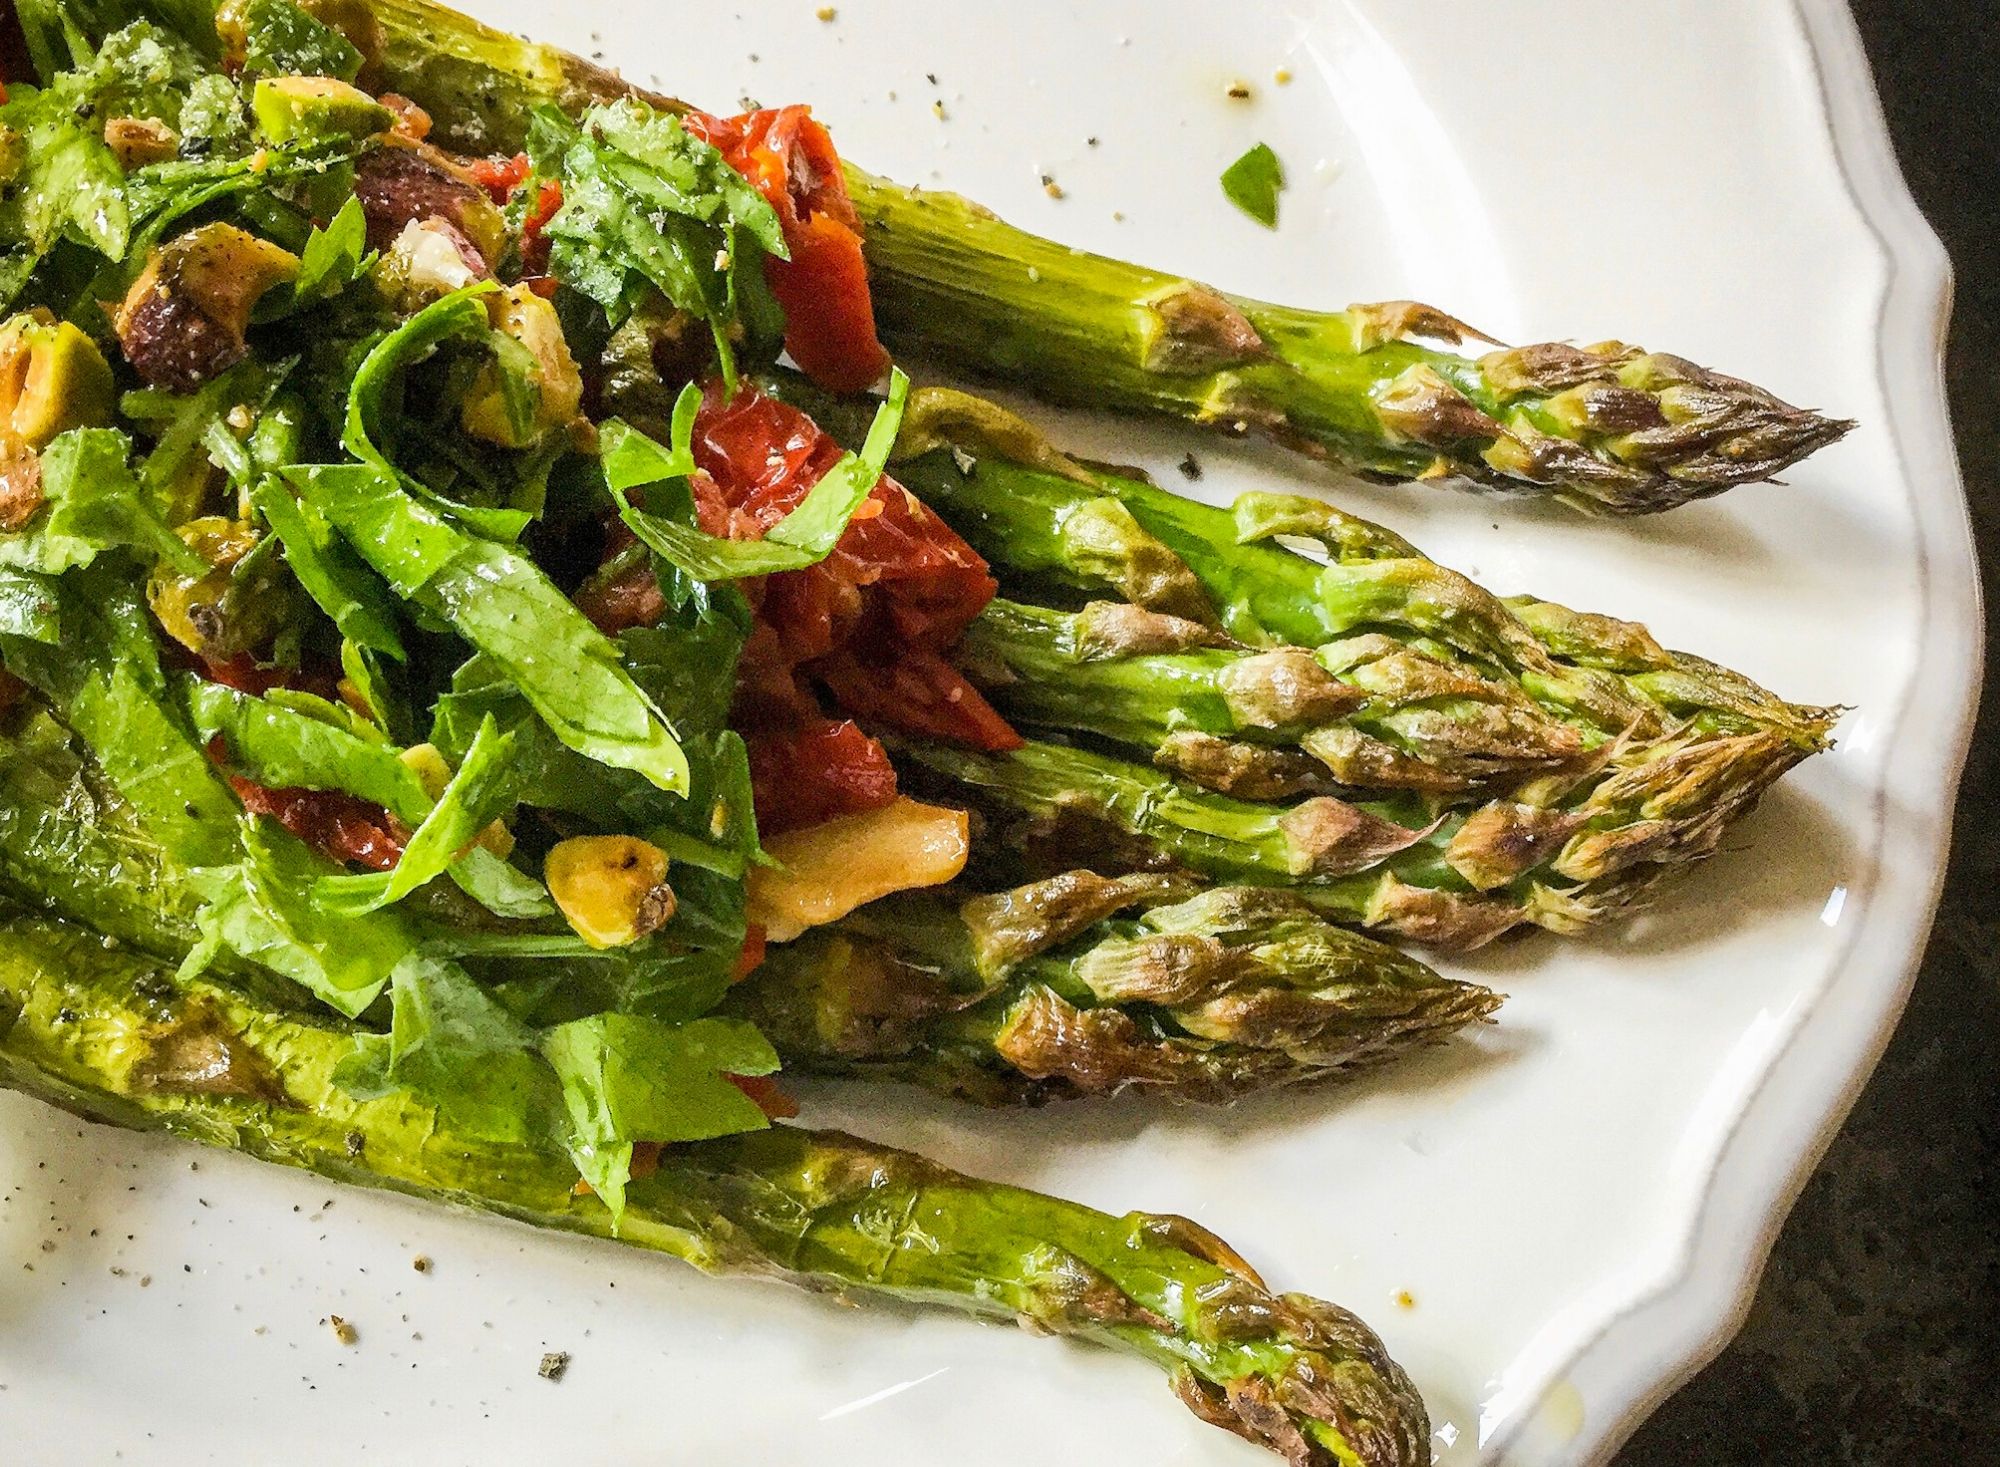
[(1079, 533), (1042, 991), (1576, 758), (1375, 388), (111, 1037), (1250, 721), (1607, 428), (1562, 853)]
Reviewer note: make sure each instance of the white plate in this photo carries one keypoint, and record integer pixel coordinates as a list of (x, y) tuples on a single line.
[(1577, 1201)]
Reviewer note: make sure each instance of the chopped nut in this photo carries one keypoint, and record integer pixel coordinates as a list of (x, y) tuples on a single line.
[(826, 871), (557, 385), (182, 321), (137, 141), (342, 1330), (553, 1365), (421, 1263), (1050, 187), (1239, 91), (612, 888)]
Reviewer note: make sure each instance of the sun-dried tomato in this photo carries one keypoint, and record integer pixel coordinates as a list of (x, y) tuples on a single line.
[(342, 827), (764, 1091), (815, 772), (829, 314)]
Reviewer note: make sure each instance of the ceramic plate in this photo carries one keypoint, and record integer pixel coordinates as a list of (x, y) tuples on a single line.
[(1552, 1222)]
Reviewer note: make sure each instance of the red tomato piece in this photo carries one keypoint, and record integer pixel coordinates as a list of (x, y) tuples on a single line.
[(829, 315), (630, 599), (752, 957), (242, 673), (341, 827), (811, 773), (499, 176), (872, 622), (919, 692), (534, 244), (764, 1091), (763, 456)]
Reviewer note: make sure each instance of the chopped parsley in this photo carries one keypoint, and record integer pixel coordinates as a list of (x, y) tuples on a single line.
[(1252, 184)]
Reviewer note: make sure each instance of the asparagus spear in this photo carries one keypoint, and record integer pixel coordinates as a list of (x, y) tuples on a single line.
[(1057, 530), (1247, 721), (1562, 853), (1607, 427), (1643, 757), (1376, 388), (111, 1037), (1040, 992), (1084, 532)]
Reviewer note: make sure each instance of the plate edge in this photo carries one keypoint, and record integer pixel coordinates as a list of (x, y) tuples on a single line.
[(1666, 1335)]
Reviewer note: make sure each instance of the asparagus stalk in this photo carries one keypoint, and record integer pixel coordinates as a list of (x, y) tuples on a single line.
[(1380, 389), (1642, 758), (1562, 854), (1264, 724), (111, 1037), (1088, 532), (1374, 387), (1041, 992), (1059, 531), (1023, 995)]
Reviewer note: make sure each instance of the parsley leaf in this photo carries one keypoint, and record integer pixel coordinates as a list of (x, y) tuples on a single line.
[(626, 1078), (93, 503), (1252, 183), (648, 204), (334, 257), (804, 537)]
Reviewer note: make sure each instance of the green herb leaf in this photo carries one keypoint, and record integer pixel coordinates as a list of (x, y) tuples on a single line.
[(105, 681), (366, 434), (94, 504), (452, 1045), (627, 1079), (305, 747), (282, 39), (258, 909), (1252, 183), (291, 740), (342, 586), (501, 603), (29, 607), (462, 313), (804, 537), (213, 115), (334, 257), (183, 425), (69, 185), (645, 203), (503, 890), (483, 790), (684, 174)]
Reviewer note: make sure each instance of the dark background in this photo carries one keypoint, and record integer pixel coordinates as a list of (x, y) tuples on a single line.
[(1875, 1336)]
